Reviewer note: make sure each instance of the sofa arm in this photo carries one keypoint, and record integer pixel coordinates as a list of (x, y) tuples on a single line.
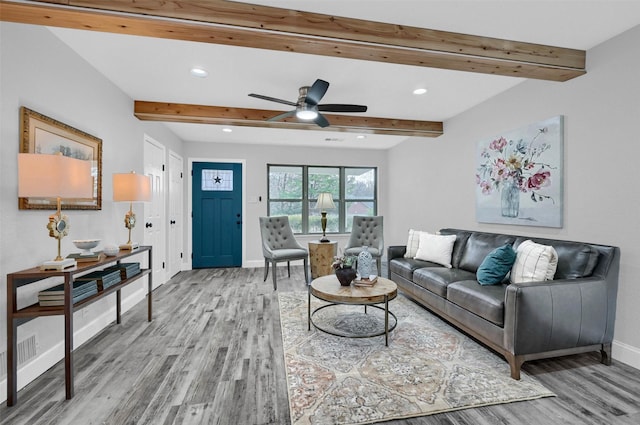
[(396, 251), (558, 314)]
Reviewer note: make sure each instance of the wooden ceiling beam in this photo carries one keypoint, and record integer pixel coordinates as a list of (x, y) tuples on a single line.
[(222, 115), (246, 25)]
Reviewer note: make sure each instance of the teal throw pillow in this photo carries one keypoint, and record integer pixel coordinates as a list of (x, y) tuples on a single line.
[(496, 265)]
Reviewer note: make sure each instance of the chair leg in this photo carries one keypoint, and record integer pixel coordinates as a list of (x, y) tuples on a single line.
[(266, 269), (273, 266), (289, 268), (306, 273)]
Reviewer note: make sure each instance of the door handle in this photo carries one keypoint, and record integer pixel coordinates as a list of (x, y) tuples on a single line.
[(147, 225)]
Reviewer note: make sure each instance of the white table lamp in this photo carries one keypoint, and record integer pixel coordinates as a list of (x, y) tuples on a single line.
[(325, 202), (55, 177), (131, 187)]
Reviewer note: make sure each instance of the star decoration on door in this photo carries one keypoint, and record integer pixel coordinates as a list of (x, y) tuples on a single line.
[(217, 180)]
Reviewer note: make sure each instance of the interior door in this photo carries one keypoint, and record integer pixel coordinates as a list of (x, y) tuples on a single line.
[(217, 214), (176, 225), (154, 211)]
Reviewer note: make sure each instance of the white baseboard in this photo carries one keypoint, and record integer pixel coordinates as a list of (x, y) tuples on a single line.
[(30, 371), (260, 264), (626, 354)]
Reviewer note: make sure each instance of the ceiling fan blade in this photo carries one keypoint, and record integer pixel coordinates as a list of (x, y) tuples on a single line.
[(341, 108), (282, 116), (272, 99), (321, 121), (316, 91)]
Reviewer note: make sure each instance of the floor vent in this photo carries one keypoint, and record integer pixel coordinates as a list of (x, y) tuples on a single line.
[(27, 349)]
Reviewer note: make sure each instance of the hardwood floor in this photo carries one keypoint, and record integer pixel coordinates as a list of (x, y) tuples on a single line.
[(213, 355)]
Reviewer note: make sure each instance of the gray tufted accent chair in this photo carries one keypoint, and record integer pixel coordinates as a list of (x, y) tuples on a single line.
[(366, 231), (279, 244)]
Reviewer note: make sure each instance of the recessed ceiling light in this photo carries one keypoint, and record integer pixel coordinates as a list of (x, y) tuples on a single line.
[(199, 72), (361, 136), (420, 91), (227, 130)]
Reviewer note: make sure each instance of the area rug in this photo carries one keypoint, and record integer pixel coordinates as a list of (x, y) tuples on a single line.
[(428, 367)]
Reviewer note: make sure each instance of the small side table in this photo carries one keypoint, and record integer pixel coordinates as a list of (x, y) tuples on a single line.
[(321, 255)]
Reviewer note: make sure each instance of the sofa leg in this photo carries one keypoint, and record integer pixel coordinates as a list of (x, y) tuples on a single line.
[(515, 362), (605, 351)]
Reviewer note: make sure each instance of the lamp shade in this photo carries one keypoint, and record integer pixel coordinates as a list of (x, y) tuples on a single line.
[(325, 201), (53, 176), (131, 187)]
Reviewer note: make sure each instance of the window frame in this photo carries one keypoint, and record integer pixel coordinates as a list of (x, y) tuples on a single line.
[(341, 202)]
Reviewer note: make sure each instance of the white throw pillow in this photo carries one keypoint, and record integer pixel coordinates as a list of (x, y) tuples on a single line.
[(436, 248), (412, 243), (534, 263)]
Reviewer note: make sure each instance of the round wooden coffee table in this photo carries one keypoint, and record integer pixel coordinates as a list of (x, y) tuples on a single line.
[(327, 288)]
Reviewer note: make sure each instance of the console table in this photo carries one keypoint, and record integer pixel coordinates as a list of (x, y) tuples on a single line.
[(16, 317)]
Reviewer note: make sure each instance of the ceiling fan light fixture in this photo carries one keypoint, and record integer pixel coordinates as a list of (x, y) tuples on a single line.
[(306, 112)]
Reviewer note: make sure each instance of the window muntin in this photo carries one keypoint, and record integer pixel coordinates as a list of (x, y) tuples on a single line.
[(294, 189), (285, 194)]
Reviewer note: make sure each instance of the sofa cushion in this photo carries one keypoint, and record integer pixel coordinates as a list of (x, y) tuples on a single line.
[(436, 279), (496, 265), (484, 301), (534, 263), (575, 260), (436, 248), (478, 246), (458, 246), (406, 266)]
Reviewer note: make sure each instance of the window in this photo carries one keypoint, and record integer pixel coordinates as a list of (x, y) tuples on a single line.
[(294, 189)]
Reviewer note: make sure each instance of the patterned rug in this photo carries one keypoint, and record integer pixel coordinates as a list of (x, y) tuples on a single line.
[(429, 367)]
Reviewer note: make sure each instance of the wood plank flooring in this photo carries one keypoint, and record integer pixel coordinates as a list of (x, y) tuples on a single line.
[(213, 355)]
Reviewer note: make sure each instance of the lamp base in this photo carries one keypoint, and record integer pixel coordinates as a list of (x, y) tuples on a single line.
[(130, 246), (324, 239), (58, 265)]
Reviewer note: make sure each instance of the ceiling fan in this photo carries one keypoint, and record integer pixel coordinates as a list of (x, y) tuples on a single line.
[(307, 107)]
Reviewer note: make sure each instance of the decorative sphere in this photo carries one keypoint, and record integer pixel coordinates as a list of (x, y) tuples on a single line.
[(111, 250)]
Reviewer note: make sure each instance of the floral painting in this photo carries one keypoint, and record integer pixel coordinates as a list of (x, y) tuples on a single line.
[(519, 176)]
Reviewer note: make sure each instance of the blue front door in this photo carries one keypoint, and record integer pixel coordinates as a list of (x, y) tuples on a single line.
[(217, 215)]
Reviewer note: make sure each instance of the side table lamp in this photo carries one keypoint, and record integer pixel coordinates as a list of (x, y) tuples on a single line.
[(55, 177), (131, 187), (325, 202)]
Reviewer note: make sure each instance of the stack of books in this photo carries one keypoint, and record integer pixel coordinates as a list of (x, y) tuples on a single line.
[(126, 270), (105, 278), (94, 256), (370, 281), (55, 296)]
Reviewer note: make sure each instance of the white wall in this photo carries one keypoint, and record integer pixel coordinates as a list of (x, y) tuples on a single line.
[(257, 157), (40, 72), (601, 146)]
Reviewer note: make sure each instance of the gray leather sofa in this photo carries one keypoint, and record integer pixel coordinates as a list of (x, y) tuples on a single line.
[(574, 313)]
